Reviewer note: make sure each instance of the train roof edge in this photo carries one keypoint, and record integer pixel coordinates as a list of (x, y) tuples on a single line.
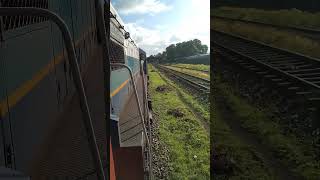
[(118, 18)]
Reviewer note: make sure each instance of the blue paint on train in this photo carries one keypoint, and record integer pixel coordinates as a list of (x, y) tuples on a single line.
[(118, 77)]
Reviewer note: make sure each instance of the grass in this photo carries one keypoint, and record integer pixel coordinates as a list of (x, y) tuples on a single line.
[(271, 36), (199, 67), (248, 165), (187, 141), (197, 102), (191, 72), (286, 17), (297, 156)]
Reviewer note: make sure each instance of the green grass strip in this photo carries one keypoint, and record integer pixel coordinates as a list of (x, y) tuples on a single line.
[(285, 17), (299, 157), (186, 139), (199, 67)]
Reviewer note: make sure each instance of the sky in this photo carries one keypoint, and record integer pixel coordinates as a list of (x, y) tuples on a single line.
[(155, 24)]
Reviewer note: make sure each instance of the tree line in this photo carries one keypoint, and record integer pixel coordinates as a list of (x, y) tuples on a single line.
[(180, 50)]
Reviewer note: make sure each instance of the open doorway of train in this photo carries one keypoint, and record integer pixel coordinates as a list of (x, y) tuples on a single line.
[(160, 86)]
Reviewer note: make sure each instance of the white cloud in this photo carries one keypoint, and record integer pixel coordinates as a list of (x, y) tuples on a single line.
[(151, 40), (141, 6), (154, 41), (195, 25)]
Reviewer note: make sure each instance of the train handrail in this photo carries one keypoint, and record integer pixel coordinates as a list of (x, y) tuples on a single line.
[(31, 11), (146, 111), (139, 107)]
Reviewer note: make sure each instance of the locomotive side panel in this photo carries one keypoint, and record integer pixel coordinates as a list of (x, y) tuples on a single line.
[(37, 88), (29, 78)]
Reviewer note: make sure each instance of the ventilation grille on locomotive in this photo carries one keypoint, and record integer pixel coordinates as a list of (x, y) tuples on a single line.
[(13, 22), (116, 53)]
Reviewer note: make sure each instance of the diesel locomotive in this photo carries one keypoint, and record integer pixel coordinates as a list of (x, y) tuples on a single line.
[(130, 120), (43, 131)]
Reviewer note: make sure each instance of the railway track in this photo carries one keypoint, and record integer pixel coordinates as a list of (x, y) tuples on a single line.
[(200, 84), (195, 83), (295, 75), (311, 33)]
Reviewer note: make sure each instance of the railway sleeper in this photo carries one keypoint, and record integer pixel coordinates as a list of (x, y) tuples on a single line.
[(287, 61), (250, 66), (254, 69), (312, 78), (306, 75), (270, 76), (277, 80), (295, 109), (262, 72), (284, 84), (304, 66), (313, 70)]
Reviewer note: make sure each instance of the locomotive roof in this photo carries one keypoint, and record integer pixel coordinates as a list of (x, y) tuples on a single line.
[(114, 12), (118, 18)]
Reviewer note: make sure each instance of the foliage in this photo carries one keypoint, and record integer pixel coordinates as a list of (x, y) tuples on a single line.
[(185, 49), (182, 49)]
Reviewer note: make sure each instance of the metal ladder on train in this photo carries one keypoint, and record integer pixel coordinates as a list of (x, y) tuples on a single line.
[(147, 134)]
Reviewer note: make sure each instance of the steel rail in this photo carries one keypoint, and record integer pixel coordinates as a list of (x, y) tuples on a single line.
[(259, 43), (198, 86), (270, 67), (186, 74), (139, 105), (28, 11)]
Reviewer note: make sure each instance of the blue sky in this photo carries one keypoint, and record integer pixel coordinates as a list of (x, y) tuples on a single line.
[(155, 24)]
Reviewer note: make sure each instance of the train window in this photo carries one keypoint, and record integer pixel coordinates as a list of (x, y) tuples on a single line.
[(13, 22), (116, 53)]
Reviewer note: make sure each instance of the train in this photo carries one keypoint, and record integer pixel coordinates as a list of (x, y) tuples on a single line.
[(129, 135), (43, 131)]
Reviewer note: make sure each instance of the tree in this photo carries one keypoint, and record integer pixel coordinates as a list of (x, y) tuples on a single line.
[(180, 50), (204, 49), (171, 51)]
